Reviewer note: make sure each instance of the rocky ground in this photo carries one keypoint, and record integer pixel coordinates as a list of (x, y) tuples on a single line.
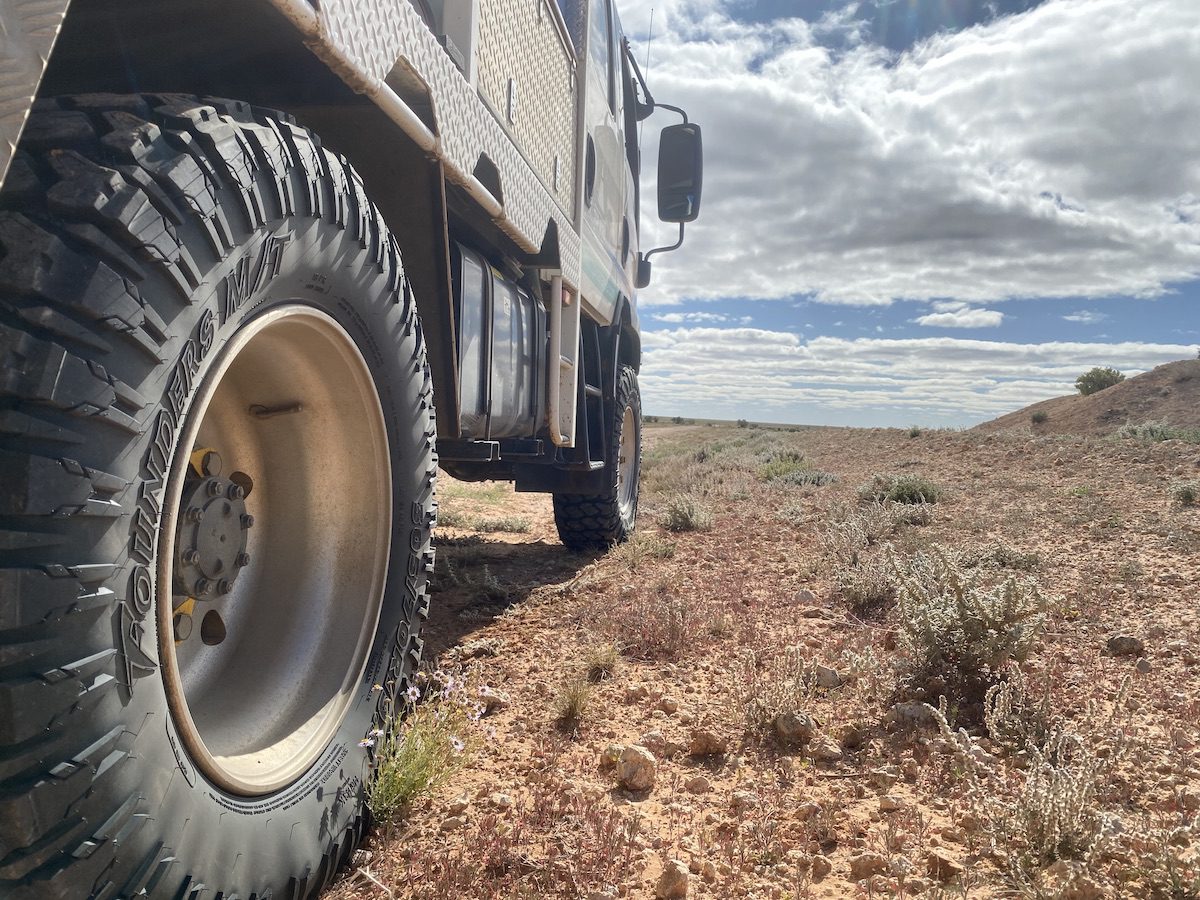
[(737, 707)]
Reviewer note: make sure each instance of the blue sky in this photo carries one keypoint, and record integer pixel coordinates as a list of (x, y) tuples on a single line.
[(926, 211)]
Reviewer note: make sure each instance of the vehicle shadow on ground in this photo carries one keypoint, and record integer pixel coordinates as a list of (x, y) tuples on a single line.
[(477, 579)]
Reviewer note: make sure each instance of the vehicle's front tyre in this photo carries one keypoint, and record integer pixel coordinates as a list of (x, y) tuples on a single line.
[(216, 434), (592, 522)]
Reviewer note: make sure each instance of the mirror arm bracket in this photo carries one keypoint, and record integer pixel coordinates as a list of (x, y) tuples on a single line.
[(674, 246)]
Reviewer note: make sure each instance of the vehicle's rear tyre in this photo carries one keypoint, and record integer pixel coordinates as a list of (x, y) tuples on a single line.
[(216, 483), (588, 522)]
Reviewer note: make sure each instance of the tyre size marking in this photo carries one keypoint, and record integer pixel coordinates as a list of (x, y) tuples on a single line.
[(147, 513), (250, 274)]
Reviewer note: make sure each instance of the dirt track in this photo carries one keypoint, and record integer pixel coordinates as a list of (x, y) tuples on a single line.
[(704, 618)]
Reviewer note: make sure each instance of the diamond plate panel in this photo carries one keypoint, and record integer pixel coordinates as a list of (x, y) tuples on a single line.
[(372, 36), (527, 76), (27, 32)]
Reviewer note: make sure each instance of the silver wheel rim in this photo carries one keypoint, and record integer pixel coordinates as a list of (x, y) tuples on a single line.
[(291, 403), (628, 460)]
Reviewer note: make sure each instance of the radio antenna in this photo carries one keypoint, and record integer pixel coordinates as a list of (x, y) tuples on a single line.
[(649, 38)]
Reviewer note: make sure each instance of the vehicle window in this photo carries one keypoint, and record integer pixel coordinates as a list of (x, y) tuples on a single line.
[(600, 41)]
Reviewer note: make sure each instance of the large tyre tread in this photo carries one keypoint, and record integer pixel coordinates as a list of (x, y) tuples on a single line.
[(120, 193)]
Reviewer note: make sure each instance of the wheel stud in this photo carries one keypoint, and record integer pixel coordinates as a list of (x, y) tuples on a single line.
[(194, 514), (203, 587), (182, 626), (212, 628), (214, 488), (247, 521), (235, 492), (243, 559), (191, 556)]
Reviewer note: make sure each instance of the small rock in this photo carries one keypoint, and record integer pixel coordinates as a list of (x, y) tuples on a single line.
[(636, 769), (826, 751), (453, 823), (827, 678), (458, 805), (501, 801), (654, 742), (820, 868), (602, 895), (910, 769), (807, 811), (493, 700), (941, 866), (707, 742), (794, 729), (1125, 645), (867, 864), (889, 803), (1143, 666), (912, 714), (673, 882), (697, 784), (611, 755), (744, 800), (668, 705), (708, 870), (635, 693), (885, 778), (1069, 880), (852, 736), (479, 648)]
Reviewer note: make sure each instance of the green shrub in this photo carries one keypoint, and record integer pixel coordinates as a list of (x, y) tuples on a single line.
[(1095, 380), (900, 489), (1159, 431), (685, 513), (1186, 493), (1038, 416), (914, 431), (961, 634)]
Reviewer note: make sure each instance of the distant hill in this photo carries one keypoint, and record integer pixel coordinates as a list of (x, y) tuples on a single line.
[(1169, 393)]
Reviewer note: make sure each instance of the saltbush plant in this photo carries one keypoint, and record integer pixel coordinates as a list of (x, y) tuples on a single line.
[(900, 489), (1186, 493), (684, 512), (959, 634)]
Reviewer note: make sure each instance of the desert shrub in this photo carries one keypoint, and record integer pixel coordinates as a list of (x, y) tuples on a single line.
[(600, 661), (956, 631), (914, 431), (999, 555), (571, 705), (684, 512), (1014, 719), (866, 587), (423, 748), (763, 686), (1095, 380), (807, 478), (643, 547), (1159, 431), (900, 489), (781, 463), (742, 423), (1186, 493), (658, 625), (1037, 417), (507, 524)]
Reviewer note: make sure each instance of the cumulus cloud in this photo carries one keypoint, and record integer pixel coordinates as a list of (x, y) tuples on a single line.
[(962, 317), (1054, 153), (1085, 317), (779, 376)]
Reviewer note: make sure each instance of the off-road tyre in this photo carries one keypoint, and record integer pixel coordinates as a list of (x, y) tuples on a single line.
[(595, 522), (137, 235)]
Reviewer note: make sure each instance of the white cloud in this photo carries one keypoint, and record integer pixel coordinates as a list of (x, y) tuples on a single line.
[(779, 376), (678, 318), (962, 317), (1085, 317), (1051, 154)]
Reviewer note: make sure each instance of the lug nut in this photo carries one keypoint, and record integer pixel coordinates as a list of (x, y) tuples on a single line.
[(243, 559), (194, 514), (191, 556), (235, 492), (182, 626), (247, 521), (224, 586), (202, 587), (214, 488)]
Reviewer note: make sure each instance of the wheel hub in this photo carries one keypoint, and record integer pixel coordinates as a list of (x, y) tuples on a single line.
[(210, 544)]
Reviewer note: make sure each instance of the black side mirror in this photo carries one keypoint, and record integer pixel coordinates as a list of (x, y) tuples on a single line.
[(643, 273), (680, 172)]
